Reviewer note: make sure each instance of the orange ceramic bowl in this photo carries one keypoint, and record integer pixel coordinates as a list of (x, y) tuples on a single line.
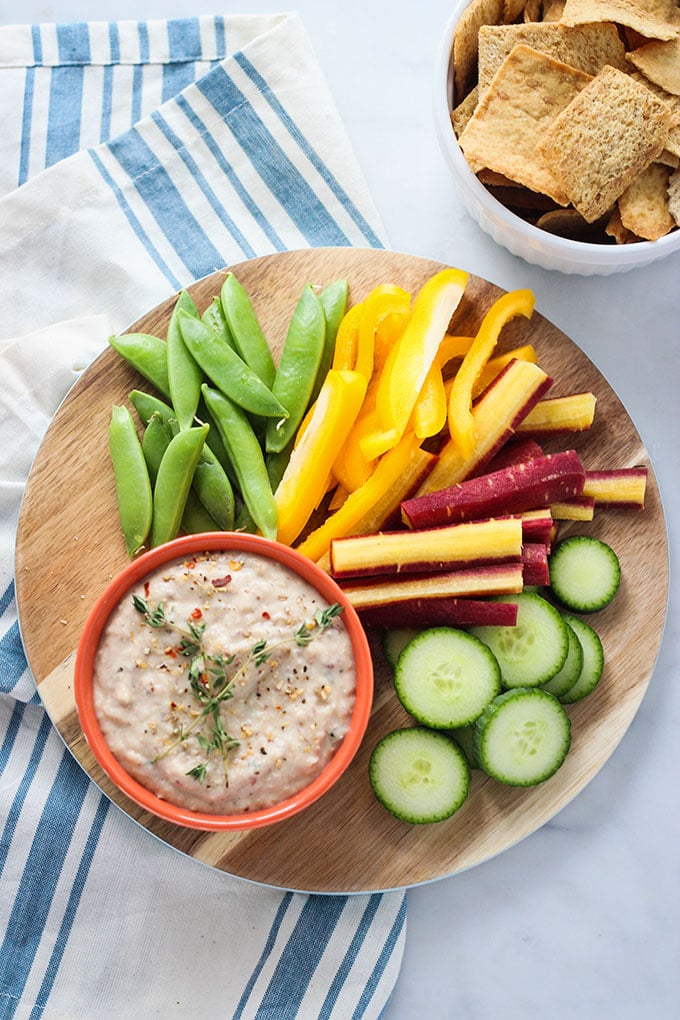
[(187, 546)]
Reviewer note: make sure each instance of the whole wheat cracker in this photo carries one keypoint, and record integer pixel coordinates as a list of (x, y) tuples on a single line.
[(476, 14), (660, 62), (616, 229), (553, 11), (674, 196), (653, 19), (606, 136), (527, 92), (585, 47), (644, 204)]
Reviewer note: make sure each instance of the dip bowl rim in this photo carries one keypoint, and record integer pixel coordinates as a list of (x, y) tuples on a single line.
[(135, 571)]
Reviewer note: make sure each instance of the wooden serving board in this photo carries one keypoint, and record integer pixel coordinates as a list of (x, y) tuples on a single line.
[(69, 546)]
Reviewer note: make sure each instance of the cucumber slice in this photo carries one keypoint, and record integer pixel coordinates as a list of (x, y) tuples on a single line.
[(571, 670), (523, 737), (593, 661), (585, 573), (463, 735), (535, 649), (446, 677), (419, 775), (393, 641)]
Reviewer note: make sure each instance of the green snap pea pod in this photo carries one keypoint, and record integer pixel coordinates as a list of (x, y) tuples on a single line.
[(155, 441), (333, 300), (133, 486), (246, 455), (196, 520), (227, 371), (249, 340), (211, 485), (148, 355), (298, 367), (214, 317), (175, 475), (184, 375), (146, 405), (214, 490)]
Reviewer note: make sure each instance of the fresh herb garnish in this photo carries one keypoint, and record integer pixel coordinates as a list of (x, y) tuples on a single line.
[(210, 683)]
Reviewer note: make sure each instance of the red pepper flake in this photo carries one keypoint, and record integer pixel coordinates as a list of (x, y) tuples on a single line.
[(266, 615), (147, 589), (221, 582), (190, 564), (172, 652), (196, 614)]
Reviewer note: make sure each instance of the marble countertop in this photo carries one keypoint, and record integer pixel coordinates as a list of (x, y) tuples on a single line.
[(579, 919)]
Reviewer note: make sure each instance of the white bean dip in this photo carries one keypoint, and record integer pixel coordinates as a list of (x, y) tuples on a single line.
[(288, 714)]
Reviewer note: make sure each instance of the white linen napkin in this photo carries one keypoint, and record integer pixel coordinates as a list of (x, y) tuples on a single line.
[(137, 157)]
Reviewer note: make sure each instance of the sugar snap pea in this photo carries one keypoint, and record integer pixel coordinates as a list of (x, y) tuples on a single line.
[(214, 317), (146, 405), (298, 367), (214, 490), (155, 441), (173, 483), (227, 371), (133, 486), (148, 355), (249, 340), (247, 458), (196, 520), (333, 300), (184, 374)]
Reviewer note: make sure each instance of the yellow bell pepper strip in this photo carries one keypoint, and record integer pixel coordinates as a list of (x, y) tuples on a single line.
[(407, 364), (351, 468), (496, 416), (430, 412), (461, 422), (347, 340), (453, 347), (305, 480), (386, 310), (375, 502)]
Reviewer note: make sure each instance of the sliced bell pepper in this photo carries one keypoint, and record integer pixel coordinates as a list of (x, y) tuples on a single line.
[(461, 421), (367, 509), (347, 340), (409, 361), (305, 480), (430, 412)]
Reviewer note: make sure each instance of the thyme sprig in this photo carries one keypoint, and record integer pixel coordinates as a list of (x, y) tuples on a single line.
[(209, 680)]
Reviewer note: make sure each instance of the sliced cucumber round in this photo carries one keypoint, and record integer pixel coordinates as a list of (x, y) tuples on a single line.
[(535, 649), (571, 670), (463, 735), (593, 661), (585, 573), (419, 775), (523, 737), (393, 641), (445, 677)]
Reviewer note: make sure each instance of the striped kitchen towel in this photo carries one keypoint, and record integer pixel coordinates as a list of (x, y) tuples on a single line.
[(136, 158)]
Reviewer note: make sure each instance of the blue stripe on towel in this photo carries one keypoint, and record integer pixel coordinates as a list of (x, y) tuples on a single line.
[(199, 178), (13, 663), (21, 793), (157, 190), (265, 954), (353, 950), (41, 874), (66, 93), (268, 159), (6, 597), (71, 908), (134, 222), (311, 154), (301, 956), (229, 172), (382, 961)]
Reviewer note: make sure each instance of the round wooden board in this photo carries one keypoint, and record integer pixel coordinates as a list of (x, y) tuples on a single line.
[(68, 546)]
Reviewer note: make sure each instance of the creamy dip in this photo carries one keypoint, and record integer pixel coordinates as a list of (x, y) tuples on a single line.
[(287, 715)]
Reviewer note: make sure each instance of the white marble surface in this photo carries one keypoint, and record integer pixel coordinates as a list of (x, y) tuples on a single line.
[(581, 919)]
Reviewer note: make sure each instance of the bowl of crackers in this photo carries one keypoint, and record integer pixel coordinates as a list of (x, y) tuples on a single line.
[(560, 122)]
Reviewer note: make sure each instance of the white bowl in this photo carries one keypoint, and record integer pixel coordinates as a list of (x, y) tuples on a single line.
[(521, 238)]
